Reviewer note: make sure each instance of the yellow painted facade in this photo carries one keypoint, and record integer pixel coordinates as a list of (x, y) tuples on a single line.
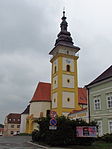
[(60, 89), (29, 124)]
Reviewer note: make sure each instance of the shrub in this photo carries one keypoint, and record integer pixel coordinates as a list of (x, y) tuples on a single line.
[(64, 135), (107, 138), (24, 134)]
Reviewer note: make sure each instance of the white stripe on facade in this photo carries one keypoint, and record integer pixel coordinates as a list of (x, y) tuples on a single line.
[(101, 90)]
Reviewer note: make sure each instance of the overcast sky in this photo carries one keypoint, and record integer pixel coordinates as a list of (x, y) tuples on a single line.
[(28, 30)]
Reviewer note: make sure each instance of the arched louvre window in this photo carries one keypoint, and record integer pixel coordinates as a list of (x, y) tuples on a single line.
[(68, 68), (55, 69)]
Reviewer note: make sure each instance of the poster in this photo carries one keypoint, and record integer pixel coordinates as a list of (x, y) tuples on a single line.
[(86, 131)]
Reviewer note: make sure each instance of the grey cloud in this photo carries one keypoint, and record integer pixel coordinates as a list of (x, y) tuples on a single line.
[(28, 30)]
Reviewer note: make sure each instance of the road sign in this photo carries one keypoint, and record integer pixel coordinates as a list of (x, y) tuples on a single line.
[(52, 127), (53, 114), (53, 122)]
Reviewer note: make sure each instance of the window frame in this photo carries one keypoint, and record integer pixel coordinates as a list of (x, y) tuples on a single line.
[(18, 126), (55, 69), (12, 126), (95, 99), (101, 128), (109, 129), (109, 95)]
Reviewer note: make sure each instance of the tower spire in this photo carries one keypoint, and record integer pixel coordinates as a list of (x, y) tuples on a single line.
[(64, 37), (63, 24)]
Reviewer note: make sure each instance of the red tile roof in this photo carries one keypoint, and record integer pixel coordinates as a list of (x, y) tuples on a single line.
[(77, 111), (82, 96), (42, 92), (14, 118)]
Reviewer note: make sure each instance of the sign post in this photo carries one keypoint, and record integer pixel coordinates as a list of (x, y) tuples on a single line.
[(53, 121)]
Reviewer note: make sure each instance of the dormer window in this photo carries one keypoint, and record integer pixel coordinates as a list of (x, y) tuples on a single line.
[(68, 68)]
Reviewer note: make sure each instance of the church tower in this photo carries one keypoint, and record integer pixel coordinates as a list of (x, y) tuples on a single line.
[(64, 84)]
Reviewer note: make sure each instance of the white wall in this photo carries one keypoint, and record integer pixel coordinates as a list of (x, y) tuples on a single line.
[(23, 123), (68, 61), (54, 104), (67, 84), (68, 104), (37, 107)]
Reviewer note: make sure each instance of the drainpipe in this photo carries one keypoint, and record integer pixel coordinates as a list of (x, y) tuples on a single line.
[(88, 105)]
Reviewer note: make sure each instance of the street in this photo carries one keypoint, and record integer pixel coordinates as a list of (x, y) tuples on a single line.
[(16, 142)]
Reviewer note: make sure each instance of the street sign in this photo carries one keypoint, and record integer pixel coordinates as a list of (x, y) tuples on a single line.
[(53, 114), (52, 127), (53, 122)]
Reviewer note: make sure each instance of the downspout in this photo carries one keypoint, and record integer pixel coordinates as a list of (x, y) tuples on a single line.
[(88, 105)]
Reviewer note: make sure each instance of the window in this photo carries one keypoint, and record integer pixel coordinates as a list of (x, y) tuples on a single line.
[(68, 68), (12, 126), (18, 126), (12, 133), (110, 126), (55, 69), (55, 82), (68, 80), (54, 100), (99, 123), (18, 119), (68, 99), (9, 119), (97, 104), (14, 119), (109, 100)]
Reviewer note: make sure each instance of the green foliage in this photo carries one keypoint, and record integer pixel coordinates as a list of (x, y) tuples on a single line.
[(64, 135), (107, 138), (24, 134)]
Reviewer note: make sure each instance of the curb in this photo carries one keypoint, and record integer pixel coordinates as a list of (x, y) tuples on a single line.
[(44, 147)]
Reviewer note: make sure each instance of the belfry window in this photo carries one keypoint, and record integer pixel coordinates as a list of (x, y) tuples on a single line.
[(68, 68), (55, 69)]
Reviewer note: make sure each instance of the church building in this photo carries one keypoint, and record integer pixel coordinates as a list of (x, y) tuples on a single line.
[(62, 95)]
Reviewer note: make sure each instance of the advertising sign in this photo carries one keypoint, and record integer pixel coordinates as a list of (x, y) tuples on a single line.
[(86, 131)]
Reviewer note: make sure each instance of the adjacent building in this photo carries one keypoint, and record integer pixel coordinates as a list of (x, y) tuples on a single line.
[(100, 101), (12, 124)]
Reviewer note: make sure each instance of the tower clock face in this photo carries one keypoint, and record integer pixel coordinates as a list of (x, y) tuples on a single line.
[(68, 61)]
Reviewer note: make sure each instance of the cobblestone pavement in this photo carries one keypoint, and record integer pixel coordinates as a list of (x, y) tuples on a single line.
[(16, 142)]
